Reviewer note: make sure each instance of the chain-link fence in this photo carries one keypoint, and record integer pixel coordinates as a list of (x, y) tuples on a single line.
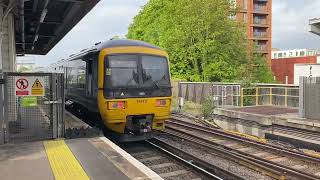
[(38, 120)]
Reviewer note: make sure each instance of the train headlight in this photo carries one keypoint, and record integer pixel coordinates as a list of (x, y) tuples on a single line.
[(162, 102), (116, 105)]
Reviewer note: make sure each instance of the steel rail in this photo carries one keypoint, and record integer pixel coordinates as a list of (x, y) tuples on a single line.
[(221, 133), (274, 168), (195, 163)]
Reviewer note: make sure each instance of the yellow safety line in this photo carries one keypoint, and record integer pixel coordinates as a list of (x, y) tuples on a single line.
[(62, 161), (311, 153), (255, 138)]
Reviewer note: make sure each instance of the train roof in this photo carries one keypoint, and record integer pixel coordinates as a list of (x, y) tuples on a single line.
[(107, 44), (110, 44), (124, 42)]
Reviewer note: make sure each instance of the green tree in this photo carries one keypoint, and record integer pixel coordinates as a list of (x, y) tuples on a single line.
[(203, 42), (23, 69)]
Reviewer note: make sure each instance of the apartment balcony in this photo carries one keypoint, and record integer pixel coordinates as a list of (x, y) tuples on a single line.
[(262, 48), (261, 35), (260, 9), (260, 21)]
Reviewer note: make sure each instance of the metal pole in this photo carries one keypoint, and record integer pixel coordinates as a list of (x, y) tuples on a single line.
[(286, 97), (179, 89), (6, 110), (257, 96), (270, 96), (53, 97), (238, 93), (1, 111), (1, 35), (241, 96), (302, 85), (63, 105)]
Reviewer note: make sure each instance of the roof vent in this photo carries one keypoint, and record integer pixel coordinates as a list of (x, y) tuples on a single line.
[(97, 43)]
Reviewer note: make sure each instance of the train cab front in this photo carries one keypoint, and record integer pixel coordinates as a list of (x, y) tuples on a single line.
[(136, 96)]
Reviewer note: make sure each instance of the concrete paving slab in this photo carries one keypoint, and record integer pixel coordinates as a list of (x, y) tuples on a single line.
[(96, 165), (26, 161), (124, 161)]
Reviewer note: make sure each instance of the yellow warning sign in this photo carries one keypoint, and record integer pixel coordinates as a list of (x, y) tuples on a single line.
[(37, 88)]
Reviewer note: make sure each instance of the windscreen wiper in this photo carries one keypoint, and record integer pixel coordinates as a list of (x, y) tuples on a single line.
[(156, 84)]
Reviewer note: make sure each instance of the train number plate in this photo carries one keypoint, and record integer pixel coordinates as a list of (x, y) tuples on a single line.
[(142, 101)]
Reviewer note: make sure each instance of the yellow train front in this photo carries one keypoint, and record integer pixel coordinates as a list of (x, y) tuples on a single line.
[(124, 83)]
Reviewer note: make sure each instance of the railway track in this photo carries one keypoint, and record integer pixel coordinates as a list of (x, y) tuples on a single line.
[(171, 163), (276, 162), (297, 132)]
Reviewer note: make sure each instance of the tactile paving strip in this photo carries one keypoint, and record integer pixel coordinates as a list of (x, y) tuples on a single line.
[(63, 163)]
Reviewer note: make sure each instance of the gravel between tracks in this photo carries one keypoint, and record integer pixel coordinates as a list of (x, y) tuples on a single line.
[(144, 151), (210, 157), (312, 168)]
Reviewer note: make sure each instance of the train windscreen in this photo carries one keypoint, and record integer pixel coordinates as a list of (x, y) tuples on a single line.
[(143, 75)]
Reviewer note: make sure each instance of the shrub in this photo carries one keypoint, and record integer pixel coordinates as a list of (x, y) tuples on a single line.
[(207, 107)]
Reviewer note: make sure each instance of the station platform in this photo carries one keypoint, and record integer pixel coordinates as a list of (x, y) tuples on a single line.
[(270, 115), (279, 123), (86, 158)]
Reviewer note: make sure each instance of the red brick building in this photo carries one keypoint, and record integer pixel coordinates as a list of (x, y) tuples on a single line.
[(257, 16), (285, 67)]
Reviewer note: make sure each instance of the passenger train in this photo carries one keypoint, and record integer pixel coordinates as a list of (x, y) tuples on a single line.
[(123, 83)]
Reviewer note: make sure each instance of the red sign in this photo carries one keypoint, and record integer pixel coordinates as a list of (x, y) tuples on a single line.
[(22, 93), (22, 87), (22, 84)]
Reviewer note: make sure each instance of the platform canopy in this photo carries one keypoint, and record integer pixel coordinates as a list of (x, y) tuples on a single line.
[(41, 24), (315, 26)]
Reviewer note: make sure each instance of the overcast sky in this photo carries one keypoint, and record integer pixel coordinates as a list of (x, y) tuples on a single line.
[(112, 17)]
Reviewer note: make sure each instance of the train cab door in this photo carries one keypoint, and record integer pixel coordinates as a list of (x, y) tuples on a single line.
[(91, 75)]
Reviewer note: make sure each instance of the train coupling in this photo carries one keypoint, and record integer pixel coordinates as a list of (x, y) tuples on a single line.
[(139, 124)]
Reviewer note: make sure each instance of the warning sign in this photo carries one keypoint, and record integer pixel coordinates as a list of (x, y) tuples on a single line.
[(37, 88), (23, 86)]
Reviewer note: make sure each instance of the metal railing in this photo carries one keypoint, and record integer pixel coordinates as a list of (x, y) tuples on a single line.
[(260, 34), (224, 94), (232, 94), (276, 96), (260, 8)]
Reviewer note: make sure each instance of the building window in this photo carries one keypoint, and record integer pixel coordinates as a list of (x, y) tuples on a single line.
[(302, 53), (297, 54), (284, 54), (258, 19), (275, 55), (259, 32), (245, 4), (290, 54), (280, 55), (245, 17)]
